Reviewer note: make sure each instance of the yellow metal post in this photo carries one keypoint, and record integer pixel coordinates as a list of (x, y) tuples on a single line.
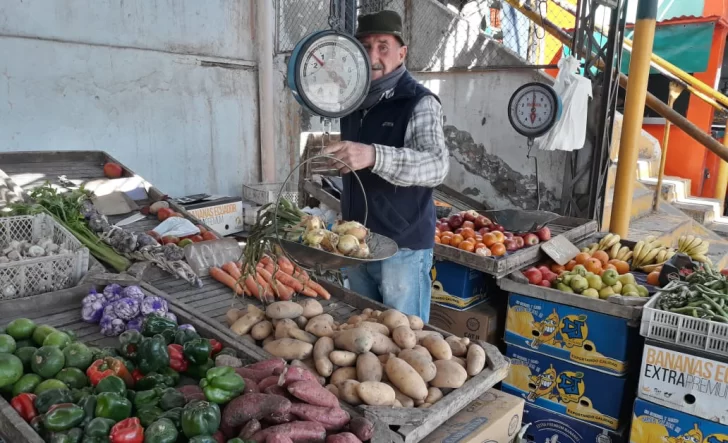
[(675, 91), (634, 108), (721, 181)]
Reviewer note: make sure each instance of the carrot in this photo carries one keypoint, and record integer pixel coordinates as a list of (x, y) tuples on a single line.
[(226, 279), (239, 265), (308, 292), (319, 289), (231, 269), (301, 276), (265, 260), (270, 267), (288, 281), (284, 291), (267, 291), (285, 265), (251, 286)]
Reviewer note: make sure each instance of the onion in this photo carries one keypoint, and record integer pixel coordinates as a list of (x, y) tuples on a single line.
[(330, 241), (360, 233), (313, 223), (314, 237), (342, 228), (348, 244), (362, 251)]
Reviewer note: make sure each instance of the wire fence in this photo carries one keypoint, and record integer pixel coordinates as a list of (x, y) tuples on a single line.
[(445, 35)]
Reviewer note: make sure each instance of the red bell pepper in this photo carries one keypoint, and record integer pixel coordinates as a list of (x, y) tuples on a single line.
[(137, 375), (177, 360), (102, 368), (216, 347), (24, 405), (127, 431)]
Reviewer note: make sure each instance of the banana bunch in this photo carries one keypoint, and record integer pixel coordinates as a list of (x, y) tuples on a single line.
[(610, 244), (649, 252), (694, 247)]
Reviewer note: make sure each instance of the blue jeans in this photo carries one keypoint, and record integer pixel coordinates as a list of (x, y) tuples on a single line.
[(402, 281)]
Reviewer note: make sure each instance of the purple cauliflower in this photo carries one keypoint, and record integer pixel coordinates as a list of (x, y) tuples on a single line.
[(112, 326), (92, 309), (187, 326), (154, 305), (133, 292), (127, 308), (112, 293), (135, 323), (171, 316)]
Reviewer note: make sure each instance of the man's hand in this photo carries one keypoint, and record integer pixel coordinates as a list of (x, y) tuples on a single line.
[(356, 155)]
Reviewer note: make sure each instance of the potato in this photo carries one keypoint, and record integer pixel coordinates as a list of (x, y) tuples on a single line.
[(438, 347), (375, 314), (449, 375), (289, 349), (245, 323), (405, 401), (334, 390), (283, 309), (404, 337), (348, 392), (301, 321), (342, 374), (383, 344), (475, 360), (374, 327), (415, 323), (354, 340), (375, 393), (368, 367), (233, 314), (397, 404), (406, 378), (392, 318), (321, 325), (457, 347), (367, 312), (321, 350), (421, 335), (424, 405), (433, 395), (299, 334), (422, 350), (343, 358), (384, 357), (311, 308), (354, 320), (422, 365), (459, 361), (262, 330), (283, 326), (268, 339)]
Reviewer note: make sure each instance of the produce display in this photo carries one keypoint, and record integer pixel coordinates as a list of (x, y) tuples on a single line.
[(162, 384), (579, 280), (702, 294), (650, 254), (16, 250), (375, 358), (475, 233)]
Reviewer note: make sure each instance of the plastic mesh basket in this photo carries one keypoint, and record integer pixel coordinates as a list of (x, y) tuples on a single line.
[(264, 193), (35, 276)]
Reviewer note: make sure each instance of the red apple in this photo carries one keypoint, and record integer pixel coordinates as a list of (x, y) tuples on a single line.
[(508, 234), (545, 283), (544, 234), (458, 230), (470, 216), (530, 239), (510, 245), (170, 239), (533, 275), (519, 241), (112, 170), (443, 220), (544, 270), (497, 227), (550, 276), (483, 231), (455, 221), (482, 221), (445, 228)]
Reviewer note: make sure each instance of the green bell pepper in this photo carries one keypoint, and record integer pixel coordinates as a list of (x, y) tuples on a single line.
[(152, 355), (222, 384), (80, 394), (182, 336), (46, 399), (203, 439), (171, 398), (100, 354), (113, 406), (197, 351), (155, 324), (154, 380), (111, 383), (200, 418), (74, 435), (130, 365), (228, 351), (199, 371), (63, 417), (162, 430), (147, 416), (147, 399), (99, 427), (171, 373), (129, 343), (175, 416), (168, 335), (88, 404)]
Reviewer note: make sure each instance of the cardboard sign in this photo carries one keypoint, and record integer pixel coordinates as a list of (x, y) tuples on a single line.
[(560, 249)]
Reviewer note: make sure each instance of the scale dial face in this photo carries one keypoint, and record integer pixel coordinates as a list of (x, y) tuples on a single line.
[(533, 109), (332, 74)]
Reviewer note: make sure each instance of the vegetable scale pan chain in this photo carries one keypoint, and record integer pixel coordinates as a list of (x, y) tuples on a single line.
[(703, 295)]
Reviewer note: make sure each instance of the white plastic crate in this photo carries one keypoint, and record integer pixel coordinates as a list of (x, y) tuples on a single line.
[(683, 330), (264, 193), (35, 276)]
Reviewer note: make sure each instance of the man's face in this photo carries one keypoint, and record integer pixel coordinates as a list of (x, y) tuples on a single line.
[(386, 53)]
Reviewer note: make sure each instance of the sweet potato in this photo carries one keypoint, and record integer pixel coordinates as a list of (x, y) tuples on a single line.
[(297, 431), (310, 366), (362, 427), (192, 392), (333, 419), (271, 363), (313, 393), (254, 406), (278, 420), (278, 438), (251, 428), (344, 437), (289, 348), (276, 390), (256, 375), (268, 381), (251, 387), (293, 374)]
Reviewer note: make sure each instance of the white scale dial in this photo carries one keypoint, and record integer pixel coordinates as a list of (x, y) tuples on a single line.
[(533, 109)]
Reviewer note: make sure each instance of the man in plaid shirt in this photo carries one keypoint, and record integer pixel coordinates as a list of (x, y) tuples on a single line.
[(396, 145)]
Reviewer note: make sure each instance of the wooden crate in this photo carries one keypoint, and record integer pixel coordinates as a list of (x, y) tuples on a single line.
[(410, 424)]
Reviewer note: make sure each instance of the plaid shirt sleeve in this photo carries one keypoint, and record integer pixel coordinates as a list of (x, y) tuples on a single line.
[(424, 160)]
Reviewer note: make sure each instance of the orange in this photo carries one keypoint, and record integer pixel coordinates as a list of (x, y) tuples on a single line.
[(468, 224), (456, 240), (499, 237), (498, 249), (489, 239), (437, 240), (557, 268), (581, 258), (570, 266), (610, 266), (467, 246), (593, 265), (622, 267), (601, 256), (653, 278), (468, 233), (446, 239), (478, 238), (479, 245)]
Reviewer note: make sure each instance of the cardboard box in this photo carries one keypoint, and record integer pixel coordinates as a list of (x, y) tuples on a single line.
[(478, 323), (564, 387), (655, 423), (224, 215), (684, 382), (544, 426), (457, 286), (585, 337), (495, 417)]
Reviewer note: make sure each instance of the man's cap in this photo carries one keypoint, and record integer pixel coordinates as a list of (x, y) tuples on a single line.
[(382, 22)]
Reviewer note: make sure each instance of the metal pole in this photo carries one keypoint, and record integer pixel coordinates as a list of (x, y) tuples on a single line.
[(721, 181), (634, 108), (675, 91)]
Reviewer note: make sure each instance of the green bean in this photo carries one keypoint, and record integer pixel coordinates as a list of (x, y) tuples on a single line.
[(715, 306)]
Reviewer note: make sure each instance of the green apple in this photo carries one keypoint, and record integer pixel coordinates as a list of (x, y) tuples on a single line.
[(610, 277), (566, 278), (617, 287), (642, 291), (629, 288), (591, 292), (563, 287), (580, 270)]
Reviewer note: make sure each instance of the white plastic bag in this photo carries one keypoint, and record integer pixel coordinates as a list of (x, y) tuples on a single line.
[(177, 227), (569, 132)]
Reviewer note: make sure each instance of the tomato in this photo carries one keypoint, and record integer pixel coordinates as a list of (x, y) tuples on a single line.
[(202, 229), (164, 213), (209, 236), (154, 235), (113, 170), (467, 246), (196, 238), (170, 239)]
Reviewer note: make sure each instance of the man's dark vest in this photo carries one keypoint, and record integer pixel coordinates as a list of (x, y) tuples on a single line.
[(404, 214)]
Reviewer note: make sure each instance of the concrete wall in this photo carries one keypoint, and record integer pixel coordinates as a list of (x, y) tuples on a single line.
[(169, 87)]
